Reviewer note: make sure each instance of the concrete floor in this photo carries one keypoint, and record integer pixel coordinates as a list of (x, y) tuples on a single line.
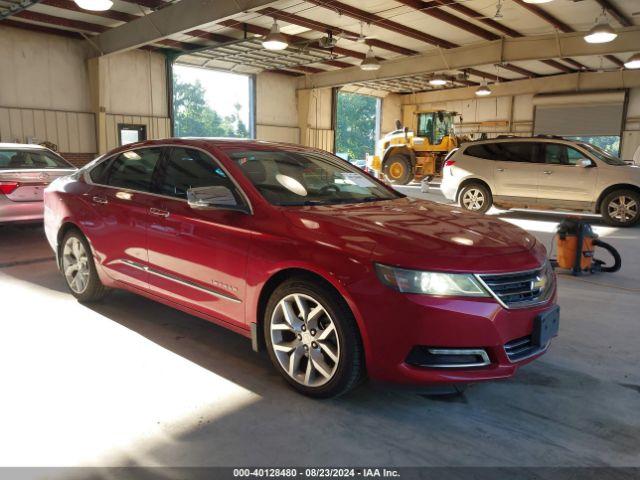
[(131, 382)]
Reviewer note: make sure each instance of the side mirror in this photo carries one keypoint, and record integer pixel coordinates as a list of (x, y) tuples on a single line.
[(584, 163), (213, 197)]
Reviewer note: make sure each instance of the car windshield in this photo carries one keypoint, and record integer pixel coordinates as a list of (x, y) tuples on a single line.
[(294, 177), (603, 155), (31, 159)]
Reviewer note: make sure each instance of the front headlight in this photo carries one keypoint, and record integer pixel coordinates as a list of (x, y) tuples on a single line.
[(430, 283)]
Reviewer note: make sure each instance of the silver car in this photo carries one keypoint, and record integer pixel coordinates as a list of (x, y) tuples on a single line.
[(25, 171)]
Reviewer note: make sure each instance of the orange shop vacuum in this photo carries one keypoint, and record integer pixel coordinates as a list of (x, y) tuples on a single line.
[(576, 243)]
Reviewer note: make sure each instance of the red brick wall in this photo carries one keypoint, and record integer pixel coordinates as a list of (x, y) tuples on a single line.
[(79, 159)]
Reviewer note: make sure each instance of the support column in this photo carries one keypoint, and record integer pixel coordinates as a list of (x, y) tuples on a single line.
[(97, 88)]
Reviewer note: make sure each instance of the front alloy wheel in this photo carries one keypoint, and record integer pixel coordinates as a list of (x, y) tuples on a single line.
[(312, 338), (305, 340), (621, 208)]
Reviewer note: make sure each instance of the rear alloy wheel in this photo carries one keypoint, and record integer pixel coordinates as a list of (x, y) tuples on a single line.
[(312, 339), (621, 208), (476, 198), (79, 271), (398, 170)]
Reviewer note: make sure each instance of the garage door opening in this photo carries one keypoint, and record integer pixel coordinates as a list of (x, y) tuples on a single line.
[(357, 125), (211, 103)]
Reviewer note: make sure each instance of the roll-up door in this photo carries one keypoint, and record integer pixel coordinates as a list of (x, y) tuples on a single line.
[(590, 114)]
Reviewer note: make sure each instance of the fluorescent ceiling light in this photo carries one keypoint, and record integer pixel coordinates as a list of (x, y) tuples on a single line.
[(634, 62), (95, 5), (370, 61), (274, 39), (601, 32)]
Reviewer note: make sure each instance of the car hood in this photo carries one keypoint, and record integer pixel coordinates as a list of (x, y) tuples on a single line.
[(420, 234)]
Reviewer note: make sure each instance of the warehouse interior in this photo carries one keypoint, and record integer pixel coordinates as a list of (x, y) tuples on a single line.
[(133, 383)]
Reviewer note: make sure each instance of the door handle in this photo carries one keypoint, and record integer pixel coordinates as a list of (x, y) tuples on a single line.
[(98, 199), (547, 172), (158, 212), (501, 169)]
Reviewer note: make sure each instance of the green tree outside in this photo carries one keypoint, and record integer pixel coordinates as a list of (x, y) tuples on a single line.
[(356, 124), (193, 117)]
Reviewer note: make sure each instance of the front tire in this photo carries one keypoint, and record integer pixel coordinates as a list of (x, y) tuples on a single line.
[(398, 170), (621, 208), (312, 338), (78, 268), (475, 197)]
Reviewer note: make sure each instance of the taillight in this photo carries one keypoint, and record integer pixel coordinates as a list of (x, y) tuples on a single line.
[(449, 163), (8, 187)]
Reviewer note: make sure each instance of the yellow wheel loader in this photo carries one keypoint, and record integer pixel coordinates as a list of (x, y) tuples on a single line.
[(402, 155)]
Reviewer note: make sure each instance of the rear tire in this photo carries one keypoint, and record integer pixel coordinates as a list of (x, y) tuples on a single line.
[(475, 197), (398, 170), (621, 208), (78, 268), (312, 338)]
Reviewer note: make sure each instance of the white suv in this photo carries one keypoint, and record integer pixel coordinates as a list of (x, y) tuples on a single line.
[(545, 173)]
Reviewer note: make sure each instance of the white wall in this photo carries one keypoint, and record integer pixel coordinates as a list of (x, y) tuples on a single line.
[(45, 92), (276, 108), (135, 84)]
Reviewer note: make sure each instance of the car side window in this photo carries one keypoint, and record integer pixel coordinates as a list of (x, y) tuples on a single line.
[(559, 154), (185, 168), (133, 169), (522, 152), (487, 151)]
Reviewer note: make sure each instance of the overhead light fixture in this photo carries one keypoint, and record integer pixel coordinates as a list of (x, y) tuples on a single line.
[(438, 81), (274, 39), (634, 62), (537, 1), (483, 90), (601, 32), (370, 61), (95, 5)]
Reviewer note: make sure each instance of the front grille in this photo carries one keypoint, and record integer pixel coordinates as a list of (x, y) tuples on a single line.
[(521, 348), (521, 289)]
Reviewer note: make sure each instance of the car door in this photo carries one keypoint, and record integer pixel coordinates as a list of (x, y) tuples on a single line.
[(517, 166), (562, 181), (120, 196), (198, 256)]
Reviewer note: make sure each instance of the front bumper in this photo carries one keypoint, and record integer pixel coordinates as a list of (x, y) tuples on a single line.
[(396, 323), (11, 211)]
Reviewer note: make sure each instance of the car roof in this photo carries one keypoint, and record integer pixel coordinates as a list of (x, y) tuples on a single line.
[(222, 143), (22, 146), (540, 138)]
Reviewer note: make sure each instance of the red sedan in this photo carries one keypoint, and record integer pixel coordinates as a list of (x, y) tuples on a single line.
[(337, 275)]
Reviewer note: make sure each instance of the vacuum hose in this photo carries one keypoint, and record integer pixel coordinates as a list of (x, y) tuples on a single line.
[(617, 261)]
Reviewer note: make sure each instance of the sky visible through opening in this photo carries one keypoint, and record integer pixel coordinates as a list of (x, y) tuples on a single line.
[(223, 89)]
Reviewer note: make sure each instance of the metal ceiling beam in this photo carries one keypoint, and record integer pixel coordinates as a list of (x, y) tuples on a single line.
[(540, 47), (450, 19), (180, 17), (558, 66), (323, 27), (520, 70), (42, 29), (612, 10), (469, 12), (615, 60), (546, 16), (382, 22), (293, 39), (487, 76)]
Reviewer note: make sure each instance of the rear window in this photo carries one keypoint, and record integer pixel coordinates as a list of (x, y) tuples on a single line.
[(31, 159), (488, 151)]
